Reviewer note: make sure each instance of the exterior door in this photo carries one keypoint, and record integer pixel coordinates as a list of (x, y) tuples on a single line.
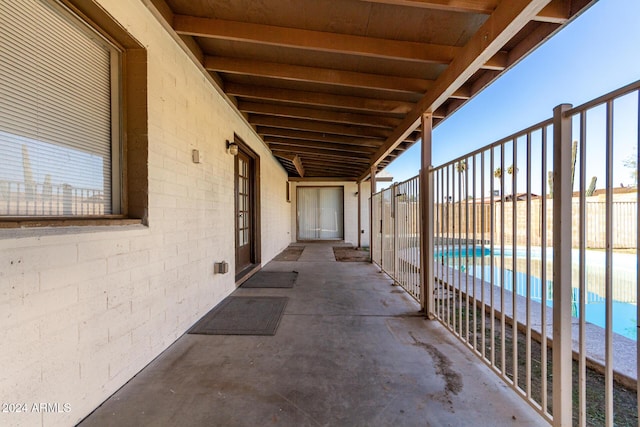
[(244, 212), (320, 213)]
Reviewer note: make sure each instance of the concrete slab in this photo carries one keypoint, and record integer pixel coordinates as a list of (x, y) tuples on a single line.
[(351, 350)]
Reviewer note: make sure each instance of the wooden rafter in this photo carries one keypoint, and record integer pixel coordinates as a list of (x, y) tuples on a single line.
[(318, 162), (319, 115), (296, 161), (555, 12), (316, 75), (329, 145), (320, 137), (507, 19), (319, 99), (351, 158), (355, 80), (313, 40), (325, 128), (467, 6)]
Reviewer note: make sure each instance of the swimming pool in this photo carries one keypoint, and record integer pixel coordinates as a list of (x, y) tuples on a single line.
[(624, 266)]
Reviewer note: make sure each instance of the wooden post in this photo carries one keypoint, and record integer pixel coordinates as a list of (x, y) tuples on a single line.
[(426, 218), (562, 195), (359, 215), (373, 191)]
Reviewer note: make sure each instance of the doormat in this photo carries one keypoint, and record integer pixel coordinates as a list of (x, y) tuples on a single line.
[(350, 254), (243, 316), (292, 253), (271, 279)]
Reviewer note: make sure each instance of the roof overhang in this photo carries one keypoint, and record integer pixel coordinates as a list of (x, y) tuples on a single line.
[(337, 88)]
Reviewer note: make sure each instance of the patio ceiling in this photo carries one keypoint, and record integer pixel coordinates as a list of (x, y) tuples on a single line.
[(336, 87)]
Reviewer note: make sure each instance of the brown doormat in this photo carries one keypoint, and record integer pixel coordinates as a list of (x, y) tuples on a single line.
[(272, 279), (243, 316), (350, 254), (292, 253)]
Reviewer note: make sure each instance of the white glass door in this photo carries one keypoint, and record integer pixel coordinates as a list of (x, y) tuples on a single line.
[(320, 213)]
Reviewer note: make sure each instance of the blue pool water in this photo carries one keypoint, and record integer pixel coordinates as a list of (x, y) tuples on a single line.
[(624, 314), (462, 252)]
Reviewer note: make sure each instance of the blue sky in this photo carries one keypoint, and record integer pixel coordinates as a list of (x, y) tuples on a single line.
[(596, 53)]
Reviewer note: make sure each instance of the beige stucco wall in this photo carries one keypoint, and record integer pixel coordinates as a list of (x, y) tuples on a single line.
[(82, 310)]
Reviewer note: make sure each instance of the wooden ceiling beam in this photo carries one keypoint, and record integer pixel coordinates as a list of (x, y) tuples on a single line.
[(295, 160), (322, 127), (319, 99), (313, 40), (315, 164), (329, 76), (498, 62), (294, 142), (352, 158), (334, 169), (554, 12), (485, 7), (506, 21), (356, 142), (319, 174), (318, 115)]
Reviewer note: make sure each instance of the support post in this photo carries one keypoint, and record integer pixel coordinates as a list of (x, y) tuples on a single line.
[(359, 215), (373, 191), (394, 218), (562, 194), (426, 218)]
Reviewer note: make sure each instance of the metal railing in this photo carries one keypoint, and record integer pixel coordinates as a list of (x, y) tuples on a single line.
[(18, 198), (522, 261), (396, 219)]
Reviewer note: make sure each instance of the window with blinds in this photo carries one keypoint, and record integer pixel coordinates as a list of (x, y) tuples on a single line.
[(59, 114)]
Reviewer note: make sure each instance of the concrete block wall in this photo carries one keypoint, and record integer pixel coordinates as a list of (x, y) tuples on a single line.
[(83, 309)]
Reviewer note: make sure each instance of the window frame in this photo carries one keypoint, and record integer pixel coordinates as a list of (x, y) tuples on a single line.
[(129, 124)]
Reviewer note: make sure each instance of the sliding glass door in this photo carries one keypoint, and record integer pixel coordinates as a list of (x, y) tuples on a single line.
[(320, 213)]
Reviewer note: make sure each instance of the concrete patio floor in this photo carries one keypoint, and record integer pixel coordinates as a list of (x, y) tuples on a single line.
[(351, 350)]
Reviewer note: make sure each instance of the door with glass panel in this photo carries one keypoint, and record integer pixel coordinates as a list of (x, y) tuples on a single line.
[(320, 213), (244, 211)]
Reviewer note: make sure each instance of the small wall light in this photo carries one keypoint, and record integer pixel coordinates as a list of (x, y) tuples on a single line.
[(220, 267), (195, 156), (232, 148)]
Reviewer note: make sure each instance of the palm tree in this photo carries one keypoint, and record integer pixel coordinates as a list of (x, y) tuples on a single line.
[(461, 167)]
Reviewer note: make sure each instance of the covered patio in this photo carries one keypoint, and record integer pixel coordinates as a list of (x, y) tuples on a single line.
[(198, 140), (351, 350)]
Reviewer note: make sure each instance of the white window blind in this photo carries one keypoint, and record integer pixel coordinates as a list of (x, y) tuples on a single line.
[(320, 213), (58, 88)]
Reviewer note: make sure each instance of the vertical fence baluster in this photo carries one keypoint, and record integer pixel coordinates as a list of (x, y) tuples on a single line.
[(492, 268), (608, 273), (482, 275), (502, 264), (459, 301), (543, 274), (528, 268), (466, 248), (514, 260), (638, 257), (582, 380), (475, 243)]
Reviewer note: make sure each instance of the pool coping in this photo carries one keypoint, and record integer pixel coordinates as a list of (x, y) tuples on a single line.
[(624, 354)]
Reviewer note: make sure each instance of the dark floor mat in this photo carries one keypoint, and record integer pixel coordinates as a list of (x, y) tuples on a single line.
[(243, 316), (350, 254), (292, 253), (272, 279)]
